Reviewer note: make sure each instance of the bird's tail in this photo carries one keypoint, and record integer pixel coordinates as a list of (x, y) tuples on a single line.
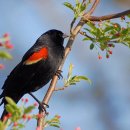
[(4, 112), (16, 99)]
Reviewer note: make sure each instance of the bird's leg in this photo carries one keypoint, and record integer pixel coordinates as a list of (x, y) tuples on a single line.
[(58, 74), (41, 105)]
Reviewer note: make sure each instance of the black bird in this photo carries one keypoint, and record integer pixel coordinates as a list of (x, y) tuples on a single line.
[(37, 67)]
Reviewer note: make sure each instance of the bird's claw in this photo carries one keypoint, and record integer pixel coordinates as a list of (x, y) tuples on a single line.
[(58, 74), (42, 106)]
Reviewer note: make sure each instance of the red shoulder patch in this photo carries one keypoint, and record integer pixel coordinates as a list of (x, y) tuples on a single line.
[(37, 56)]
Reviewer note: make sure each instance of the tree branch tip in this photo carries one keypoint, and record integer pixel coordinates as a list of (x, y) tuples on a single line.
[(86, 35), (58, 89), (95, 4), (82, 33)]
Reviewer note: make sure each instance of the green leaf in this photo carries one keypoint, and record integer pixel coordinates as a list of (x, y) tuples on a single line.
[(91, 46), (55, 125), (77, 1), (127, 39), (83, 7), (10, 101), (9, 108), (128, 15), (90, 24), (28, 109), (54, 121), (108, 28), (125, 31), (67, 4), (5, 55), (86, 38), (70, 70), (21, 126), (103, 40), (71, 80), (85, 78)]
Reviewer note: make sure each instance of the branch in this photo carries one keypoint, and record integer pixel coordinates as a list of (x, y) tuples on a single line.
[(58, 89), (72, 24), (84, 1), (107, 17), (92, 8), (51, 88), (86, 15)]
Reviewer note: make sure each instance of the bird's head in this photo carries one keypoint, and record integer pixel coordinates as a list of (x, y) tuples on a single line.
[(56, 36)]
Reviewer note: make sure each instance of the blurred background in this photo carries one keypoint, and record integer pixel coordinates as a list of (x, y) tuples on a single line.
[(104, 105)]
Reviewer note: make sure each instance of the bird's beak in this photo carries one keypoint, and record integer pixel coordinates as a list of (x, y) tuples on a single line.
[(65, 36)]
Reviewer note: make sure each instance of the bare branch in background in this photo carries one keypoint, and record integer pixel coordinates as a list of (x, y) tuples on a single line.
[(107, 17)]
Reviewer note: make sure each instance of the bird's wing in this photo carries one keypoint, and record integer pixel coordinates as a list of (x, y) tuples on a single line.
[(26, 66), (35, 55)]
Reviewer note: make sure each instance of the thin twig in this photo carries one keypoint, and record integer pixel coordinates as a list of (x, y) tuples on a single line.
[(58, 89), (107, 17), (84, 1), (86, 35), (92, 8)]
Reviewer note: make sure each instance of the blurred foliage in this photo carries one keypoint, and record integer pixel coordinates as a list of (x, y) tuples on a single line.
[(103, 34), (18, 116), (79, 7), (5, 45)]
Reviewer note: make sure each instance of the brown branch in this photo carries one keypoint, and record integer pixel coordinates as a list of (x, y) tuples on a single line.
[(107, 17), (92, 8), (84, 1), (51, 88), (72, 24)]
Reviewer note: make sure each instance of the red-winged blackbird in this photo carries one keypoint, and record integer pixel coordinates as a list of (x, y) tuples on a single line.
[(37, 67)]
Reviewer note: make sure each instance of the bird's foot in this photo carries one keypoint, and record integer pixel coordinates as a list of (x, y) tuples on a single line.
[(42, 106), (58, 74)]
